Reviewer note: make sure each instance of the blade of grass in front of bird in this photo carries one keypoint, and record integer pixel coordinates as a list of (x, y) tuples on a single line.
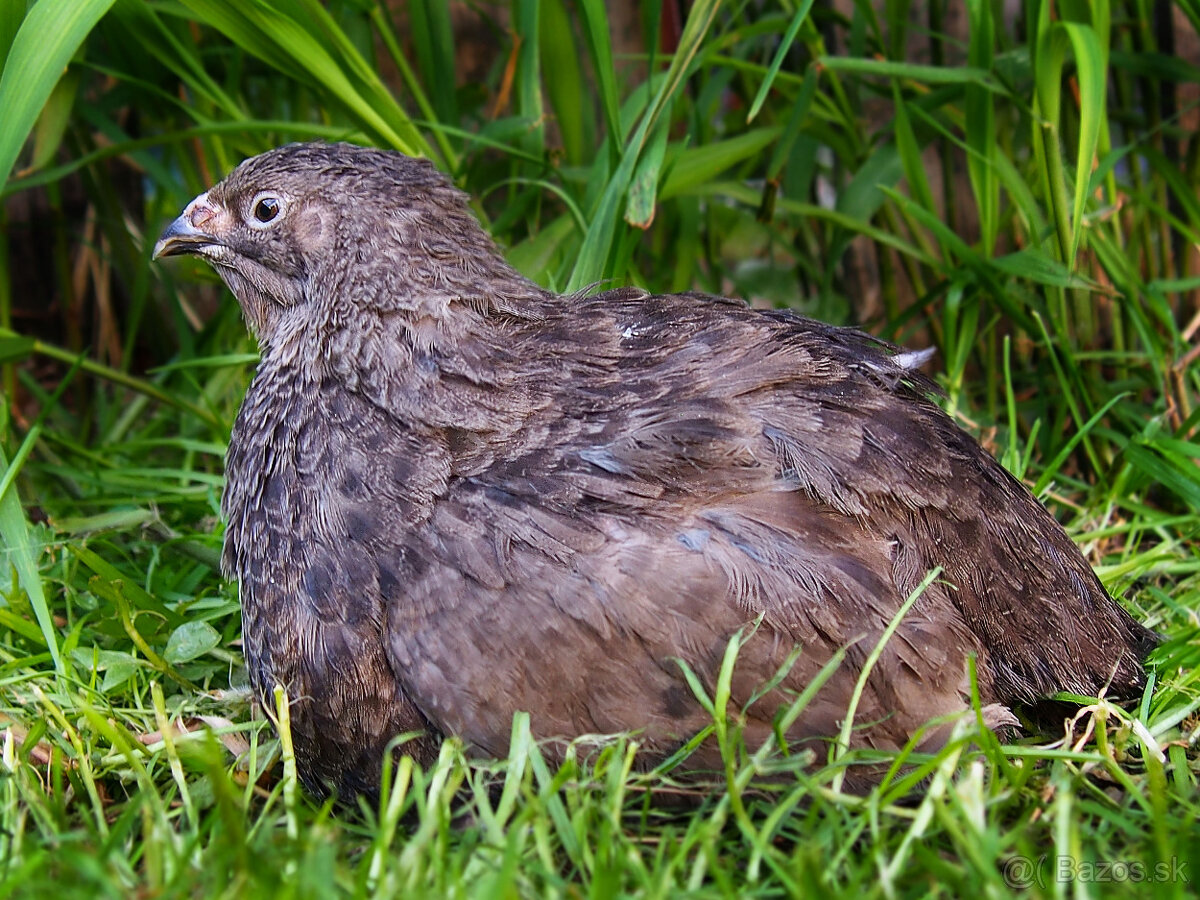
[(842, 746), (718, 708), (395, 797), (282, 714), (521, 747)]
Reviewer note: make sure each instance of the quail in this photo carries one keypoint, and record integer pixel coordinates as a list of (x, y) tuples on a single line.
[(453, 495)]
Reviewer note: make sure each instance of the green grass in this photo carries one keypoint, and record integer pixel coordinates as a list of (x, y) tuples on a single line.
[(777, 156)]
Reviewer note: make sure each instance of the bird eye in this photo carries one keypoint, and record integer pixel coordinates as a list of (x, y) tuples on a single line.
[(266, 209)]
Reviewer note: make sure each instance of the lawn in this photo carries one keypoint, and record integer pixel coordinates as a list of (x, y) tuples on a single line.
[(1013, 185)]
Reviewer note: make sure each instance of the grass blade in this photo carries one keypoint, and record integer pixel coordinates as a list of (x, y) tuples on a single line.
[(773, 70), (981, 126), (48, 37), (21, 554)]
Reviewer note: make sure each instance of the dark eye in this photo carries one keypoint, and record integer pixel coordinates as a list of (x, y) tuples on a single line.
[(266, 209)]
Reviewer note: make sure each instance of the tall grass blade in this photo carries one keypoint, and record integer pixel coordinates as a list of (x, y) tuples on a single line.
[(22, 555), (49, 35), (777, 62), (980, 125), (1091, 72), (567, 89), (599, 41), (433, 41), (300, 40), (843, 742), (529, 107), (594, 261)]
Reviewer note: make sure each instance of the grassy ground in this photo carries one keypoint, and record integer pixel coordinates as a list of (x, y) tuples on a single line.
[(1021, 195)]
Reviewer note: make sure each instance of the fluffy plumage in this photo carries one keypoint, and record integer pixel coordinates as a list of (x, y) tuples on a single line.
[(452, 495)]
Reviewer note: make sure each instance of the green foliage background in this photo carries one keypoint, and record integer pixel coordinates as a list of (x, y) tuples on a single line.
[(1021, 194)]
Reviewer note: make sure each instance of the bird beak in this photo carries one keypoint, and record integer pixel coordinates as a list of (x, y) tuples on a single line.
[(187, 234)]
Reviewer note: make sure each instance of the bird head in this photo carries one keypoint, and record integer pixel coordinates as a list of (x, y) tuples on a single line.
[(316, 233)]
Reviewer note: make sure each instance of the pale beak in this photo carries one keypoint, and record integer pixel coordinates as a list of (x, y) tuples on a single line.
[(187, 234)]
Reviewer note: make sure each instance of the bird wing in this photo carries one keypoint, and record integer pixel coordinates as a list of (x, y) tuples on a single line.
[(682, 470), (673, 498)]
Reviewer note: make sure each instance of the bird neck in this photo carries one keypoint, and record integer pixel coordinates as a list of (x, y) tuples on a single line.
[(440, 360)]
